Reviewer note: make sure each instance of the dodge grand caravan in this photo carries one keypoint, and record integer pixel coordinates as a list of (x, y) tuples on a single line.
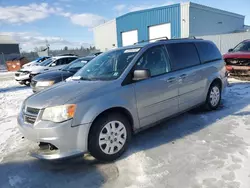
[(120, 93)]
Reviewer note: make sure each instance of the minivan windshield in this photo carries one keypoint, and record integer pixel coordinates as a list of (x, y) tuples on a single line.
[(242, 47), (46, 62), (107, 66)]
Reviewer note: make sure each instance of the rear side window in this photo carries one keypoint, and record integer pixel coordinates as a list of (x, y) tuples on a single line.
[(183, 55), (208, 52)]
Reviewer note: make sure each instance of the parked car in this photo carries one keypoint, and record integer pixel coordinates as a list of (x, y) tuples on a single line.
[(36, 61), (119, 93), (238, 59), (24, 75), (45, 80)]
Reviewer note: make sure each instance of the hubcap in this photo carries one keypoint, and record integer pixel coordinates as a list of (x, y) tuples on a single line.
[(112, 137), (215, 96)]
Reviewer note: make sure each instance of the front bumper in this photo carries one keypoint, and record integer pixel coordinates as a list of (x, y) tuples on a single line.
[(236, 70), (69, 140)]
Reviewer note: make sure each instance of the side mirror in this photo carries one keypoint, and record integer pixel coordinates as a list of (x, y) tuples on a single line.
[(230, 50), (53, 64), (141, 74)]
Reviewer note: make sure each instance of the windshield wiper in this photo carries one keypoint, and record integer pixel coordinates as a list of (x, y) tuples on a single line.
[(84, 78)]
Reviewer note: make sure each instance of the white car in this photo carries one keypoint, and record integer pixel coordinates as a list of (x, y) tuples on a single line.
[(36, 61), (24, 75)]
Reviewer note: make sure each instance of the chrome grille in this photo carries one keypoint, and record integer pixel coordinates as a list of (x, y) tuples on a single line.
[(30, 115), (238, 61), (34, 111), (29, 119)]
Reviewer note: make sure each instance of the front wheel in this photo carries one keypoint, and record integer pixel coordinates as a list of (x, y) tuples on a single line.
[(109, 137), (213, 97), (27, 83)]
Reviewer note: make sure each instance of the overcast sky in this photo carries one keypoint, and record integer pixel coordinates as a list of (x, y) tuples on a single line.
[(70, 22)]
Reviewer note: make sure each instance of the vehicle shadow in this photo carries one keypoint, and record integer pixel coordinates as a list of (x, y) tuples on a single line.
[(13, 89), (89, 172), (40, 174), (190, 122)]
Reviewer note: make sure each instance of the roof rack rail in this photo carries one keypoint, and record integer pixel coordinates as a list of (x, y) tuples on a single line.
[(67, 55), (166, 38), (191, 37), (142, 41)]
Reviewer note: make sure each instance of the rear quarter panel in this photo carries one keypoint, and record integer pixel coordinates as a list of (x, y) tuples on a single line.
[(212, 71)]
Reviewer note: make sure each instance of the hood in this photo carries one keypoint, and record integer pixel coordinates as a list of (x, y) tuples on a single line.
[(233, 55), (53, 75), (29, 64), (34, 68), (63, 92)]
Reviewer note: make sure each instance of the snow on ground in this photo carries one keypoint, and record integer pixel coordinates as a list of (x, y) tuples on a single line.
[(194, 150), (11, 97)]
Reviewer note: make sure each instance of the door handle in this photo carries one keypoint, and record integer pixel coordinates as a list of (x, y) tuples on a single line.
[(183, 76), (172, 79)]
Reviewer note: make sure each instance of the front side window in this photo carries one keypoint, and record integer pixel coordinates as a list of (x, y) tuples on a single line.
[(107, 66), (183, 55), (62, 61), (242, 47), (155, 60)]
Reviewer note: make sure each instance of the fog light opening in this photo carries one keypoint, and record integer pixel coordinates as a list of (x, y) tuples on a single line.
[(47, 146)]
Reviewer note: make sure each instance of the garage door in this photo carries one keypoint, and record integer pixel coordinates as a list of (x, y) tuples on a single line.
[(129, 38), (159, 31)]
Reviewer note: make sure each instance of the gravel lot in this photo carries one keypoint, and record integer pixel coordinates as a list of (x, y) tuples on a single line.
[(194, 150)]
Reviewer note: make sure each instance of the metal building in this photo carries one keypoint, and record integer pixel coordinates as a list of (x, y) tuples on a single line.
[(173, 21), (9, 48), (105, 36)]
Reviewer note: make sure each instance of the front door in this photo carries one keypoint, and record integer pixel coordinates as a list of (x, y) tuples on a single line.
[(157, 97)]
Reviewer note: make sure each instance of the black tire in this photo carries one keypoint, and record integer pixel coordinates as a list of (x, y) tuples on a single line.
[(27, 83), (21, 83), (93, 141), (209, 105)]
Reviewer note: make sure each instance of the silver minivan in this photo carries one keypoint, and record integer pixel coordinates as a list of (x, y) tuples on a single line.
[(120, 93)]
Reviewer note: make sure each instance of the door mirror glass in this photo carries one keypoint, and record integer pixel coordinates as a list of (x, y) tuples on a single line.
[(230, 50), (53, 65), (141, 74)]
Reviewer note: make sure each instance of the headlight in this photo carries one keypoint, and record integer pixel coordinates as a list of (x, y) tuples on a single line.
[(44, 83), (59, 113)]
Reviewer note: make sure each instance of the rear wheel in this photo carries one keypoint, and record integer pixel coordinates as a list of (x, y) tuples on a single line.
[(109, 137), (213, 97)]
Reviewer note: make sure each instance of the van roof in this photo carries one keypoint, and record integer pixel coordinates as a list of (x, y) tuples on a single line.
[(141, 45)]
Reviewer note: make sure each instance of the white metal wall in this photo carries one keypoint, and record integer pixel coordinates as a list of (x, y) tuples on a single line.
[(226, 41), (185, 20), (210, 21), (105, 36)]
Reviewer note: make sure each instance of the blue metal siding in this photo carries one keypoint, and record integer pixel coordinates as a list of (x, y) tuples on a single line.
[(141, 20)]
